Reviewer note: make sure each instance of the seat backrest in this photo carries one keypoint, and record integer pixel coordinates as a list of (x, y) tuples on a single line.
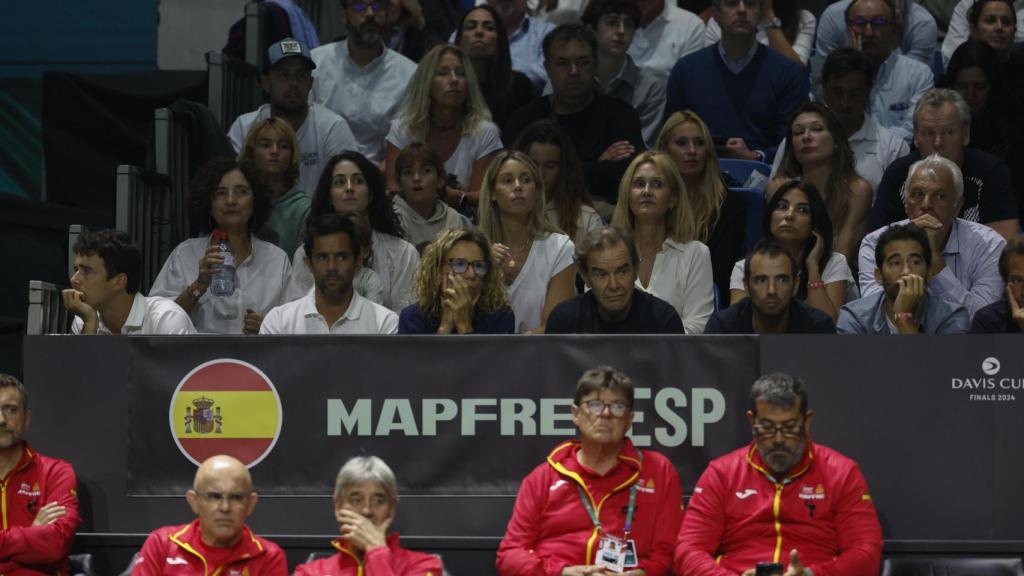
[(740, 169), (952, 566), (81, 565), (46, 311)]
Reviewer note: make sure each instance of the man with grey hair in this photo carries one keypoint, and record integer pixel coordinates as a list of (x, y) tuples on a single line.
[(365, 498), (608, 260), (942, 125), (836, 530), (964, 265)]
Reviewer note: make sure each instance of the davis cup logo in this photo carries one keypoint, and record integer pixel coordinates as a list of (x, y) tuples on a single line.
[(990, 366), (226, 406)]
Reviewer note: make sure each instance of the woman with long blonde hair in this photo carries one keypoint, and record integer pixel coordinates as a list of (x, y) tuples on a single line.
[(459, 289), (674, 265), (535, 257), (445, 110)]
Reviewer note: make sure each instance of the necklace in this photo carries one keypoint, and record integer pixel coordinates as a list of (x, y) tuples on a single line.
[(444, 129), (645, 255), (518, 252)]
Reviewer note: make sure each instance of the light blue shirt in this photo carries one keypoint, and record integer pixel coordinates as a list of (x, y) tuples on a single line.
[(867, 316), (920, 34), (971, 276), (736, 66), (899, 84), (527, 47)]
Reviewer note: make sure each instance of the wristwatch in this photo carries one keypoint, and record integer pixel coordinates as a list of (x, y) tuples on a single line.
[(773, 23), (195, 292)]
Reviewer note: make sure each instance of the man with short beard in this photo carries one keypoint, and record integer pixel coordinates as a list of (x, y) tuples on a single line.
[(812, 500), (332, 306), (362, 79), (287, 81)]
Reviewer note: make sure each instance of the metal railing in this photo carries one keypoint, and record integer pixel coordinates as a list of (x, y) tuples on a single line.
[(143, 210), (46, 311), (234, 88)]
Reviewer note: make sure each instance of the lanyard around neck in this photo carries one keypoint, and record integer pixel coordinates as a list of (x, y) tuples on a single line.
[(629, 509)]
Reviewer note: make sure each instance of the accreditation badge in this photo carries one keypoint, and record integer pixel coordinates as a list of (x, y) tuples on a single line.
[(611, 553)]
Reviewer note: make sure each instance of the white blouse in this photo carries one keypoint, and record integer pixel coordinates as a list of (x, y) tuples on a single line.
[(682, 277)]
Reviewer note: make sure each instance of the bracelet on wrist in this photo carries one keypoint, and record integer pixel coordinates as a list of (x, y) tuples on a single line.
[(196, 291), (815, 284), (903, 316)]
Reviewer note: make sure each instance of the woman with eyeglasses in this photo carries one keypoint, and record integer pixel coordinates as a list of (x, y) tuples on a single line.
[(598, 504), (797, 216), (458, 289)]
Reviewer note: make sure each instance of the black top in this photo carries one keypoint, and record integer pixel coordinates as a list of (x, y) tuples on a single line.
[(989, 195), (647, 315), (739, 319), (727, 241), (413, 321), (994, 319), (607, 120), (520, 93)]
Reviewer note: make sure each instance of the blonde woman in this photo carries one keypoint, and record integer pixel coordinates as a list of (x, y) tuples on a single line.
[(445, 110), (271, 151), (720, 218), (674, 266), (535, 257), (458, 289)]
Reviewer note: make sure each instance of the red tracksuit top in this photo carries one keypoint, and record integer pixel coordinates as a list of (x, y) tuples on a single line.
[(33, 483), (174, 551), (392, 560), (738, 517), (550, 528)]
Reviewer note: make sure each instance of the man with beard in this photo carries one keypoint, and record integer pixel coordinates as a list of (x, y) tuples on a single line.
[(40, 501), (770, 277), (361, 78), (320, 132), (332, 306), (902, 259), (812, 500)]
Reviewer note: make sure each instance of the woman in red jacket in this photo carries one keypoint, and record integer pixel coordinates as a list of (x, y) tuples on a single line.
[(598, 505)]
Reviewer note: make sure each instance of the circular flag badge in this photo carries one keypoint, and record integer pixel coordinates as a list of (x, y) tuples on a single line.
[(226, 406)]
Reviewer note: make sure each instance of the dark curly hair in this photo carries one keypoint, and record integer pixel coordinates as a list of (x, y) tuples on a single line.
[(204, 184), (380, 211), (119, 254)]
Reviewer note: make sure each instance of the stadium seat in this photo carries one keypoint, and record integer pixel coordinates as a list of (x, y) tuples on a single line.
[(740, 169), (952, 566)]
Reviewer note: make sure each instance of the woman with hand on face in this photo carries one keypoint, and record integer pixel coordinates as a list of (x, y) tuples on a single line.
[(568, 203), (365, 500), (535, 258), (720, 218), (445, 110), (352, 184), (459, 289), (484, 39), (818, 153), (796, 215), (227, 198), (420, 202), (674, 265), (272, 151)]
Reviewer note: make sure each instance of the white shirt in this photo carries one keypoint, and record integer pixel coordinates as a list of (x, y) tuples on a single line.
[(394, 260), (874, 147), (419, 229), (527, 293), (836, 269), (899, 84), (568, 11), (368, 98), (587, 220), (302, 317), (472, 147), (672, 35), (149, 315), (960, 29), (322, 135), (260, 283), (920, 33), (682, 277), (802, 45)]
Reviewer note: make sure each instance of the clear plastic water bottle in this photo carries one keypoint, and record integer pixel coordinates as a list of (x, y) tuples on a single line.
[(223, 283)]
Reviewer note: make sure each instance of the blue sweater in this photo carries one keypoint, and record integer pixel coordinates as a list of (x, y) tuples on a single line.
[(754, 105)]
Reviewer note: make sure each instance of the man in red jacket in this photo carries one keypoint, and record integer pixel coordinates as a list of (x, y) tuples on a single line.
[(38, 495), (783, 499), (218, 541), (365, 496)]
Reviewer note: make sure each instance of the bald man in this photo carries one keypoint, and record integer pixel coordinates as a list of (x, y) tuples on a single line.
[(218, 541)]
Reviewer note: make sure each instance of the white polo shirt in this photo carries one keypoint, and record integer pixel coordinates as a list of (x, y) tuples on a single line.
[(673, 34), (302, 317), (149, 315)]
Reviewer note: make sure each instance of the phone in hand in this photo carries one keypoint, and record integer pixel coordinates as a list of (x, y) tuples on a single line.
[(769, 569)]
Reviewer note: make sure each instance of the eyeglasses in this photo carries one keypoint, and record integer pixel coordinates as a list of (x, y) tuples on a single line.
[(459, 266), (362, 6), (861, 23), (596, 407), (235, 499), (788, 429)]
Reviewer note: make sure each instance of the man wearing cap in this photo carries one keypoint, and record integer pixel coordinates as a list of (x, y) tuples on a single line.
[(361, 78), (321, 133), (217, 541)]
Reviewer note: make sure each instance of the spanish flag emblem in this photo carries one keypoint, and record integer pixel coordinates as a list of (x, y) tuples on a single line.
[(226, 406)]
